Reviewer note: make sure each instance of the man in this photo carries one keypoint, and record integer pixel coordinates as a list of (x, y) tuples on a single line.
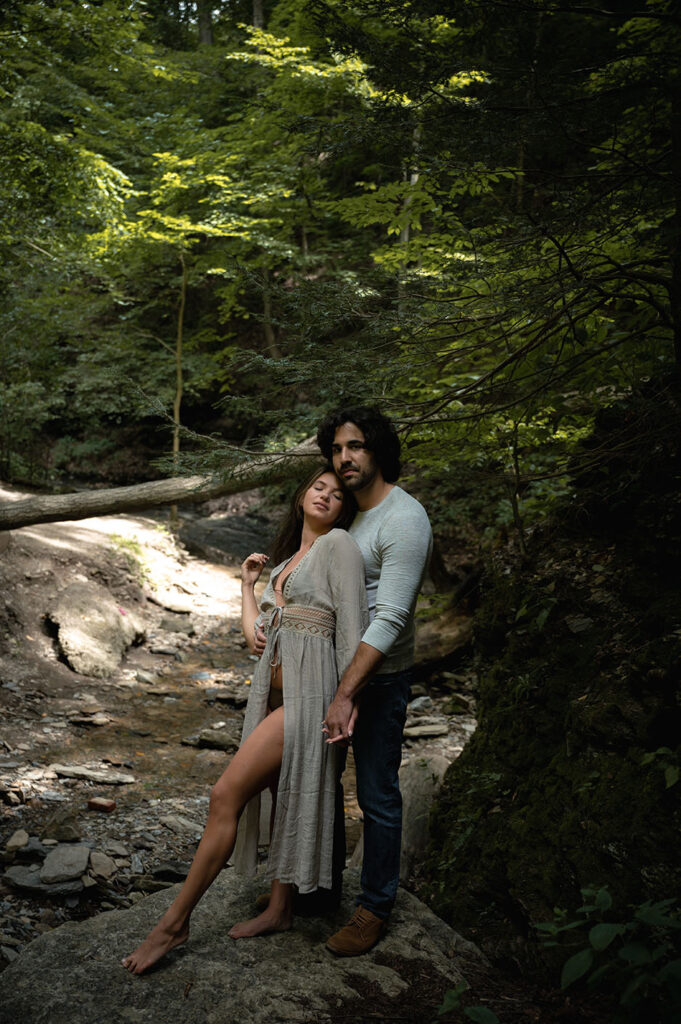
[(395, 538)]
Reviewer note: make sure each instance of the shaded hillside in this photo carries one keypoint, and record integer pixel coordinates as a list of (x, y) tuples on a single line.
[(572, 779)]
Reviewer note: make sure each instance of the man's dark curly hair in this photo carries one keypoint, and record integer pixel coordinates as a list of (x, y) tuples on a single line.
[(379, 433)]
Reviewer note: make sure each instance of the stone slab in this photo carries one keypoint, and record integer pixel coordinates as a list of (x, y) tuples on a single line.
[(73, 975)]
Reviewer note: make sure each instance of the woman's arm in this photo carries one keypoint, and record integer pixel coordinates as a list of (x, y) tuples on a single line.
[(250, 574)]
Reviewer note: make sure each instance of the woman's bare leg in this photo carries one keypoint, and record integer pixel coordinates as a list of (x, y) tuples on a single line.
[(253, 767), (276, 917)]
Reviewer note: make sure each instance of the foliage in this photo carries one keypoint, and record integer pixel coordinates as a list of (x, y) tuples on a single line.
[(638, 959), (463, 213), (452, 1001)]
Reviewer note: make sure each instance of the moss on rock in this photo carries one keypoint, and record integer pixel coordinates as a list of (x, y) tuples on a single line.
[(569, 779)]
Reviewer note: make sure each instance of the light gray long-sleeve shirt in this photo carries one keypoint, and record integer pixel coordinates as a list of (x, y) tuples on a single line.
[(396, 542)]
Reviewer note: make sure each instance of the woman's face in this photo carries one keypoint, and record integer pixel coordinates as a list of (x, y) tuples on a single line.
[(323, 500)]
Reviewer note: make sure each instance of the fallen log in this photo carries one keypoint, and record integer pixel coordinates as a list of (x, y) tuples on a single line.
[(53, 508)]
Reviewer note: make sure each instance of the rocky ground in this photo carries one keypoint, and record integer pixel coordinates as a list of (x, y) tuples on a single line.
[(105, 773)]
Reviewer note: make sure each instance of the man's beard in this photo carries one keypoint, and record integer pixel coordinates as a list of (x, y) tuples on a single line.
[(362, 479)]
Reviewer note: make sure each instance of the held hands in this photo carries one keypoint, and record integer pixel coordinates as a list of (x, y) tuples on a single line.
[(260, 642), (252, 567), (339, 723)]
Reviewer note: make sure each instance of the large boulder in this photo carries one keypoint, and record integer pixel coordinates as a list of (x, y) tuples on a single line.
[(93, 630), (227, 539), (73, 975), (420, 781)]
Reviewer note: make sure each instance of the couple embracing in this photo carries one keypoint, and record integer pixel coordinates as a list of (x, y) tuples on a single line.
[(335, 631)]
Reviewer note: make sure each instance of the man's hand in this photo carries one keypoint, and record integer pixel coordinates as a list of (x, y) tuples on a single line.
[(340, 719), (260, 641)]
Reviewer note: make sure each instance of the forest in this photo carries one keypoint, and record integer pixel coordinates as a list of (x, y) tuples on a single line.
[(221, 219)]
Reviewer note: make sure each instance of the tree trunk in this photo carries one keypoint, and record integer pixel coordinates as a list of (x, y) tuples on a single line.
[(675, 288), (205, 14), (262, 469), (268, 326), (179, 381), (258, 14), (412, 176)]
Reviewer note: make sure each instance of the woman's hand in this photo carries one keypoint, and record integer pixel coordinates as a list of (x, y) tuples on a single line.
[(252, 567)]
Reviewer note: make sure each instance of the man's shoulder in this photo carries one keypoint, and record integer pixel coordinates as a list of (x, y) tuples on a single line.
[(405, 506)]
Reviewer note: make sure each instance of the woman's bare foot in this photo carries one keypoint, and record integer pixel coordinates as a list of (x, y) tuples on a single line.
[(268, 921), (158, 942)]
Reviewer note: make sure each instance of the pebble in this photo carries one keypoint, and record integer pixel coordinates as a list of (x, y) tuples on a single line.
[(115, 849), (16, 841), (102, 865), (100, 803), (66, 862), (421, 704)]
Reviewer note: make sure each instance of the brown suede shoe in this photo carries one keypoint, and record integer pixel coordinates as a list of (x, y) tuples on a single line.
[(360, 934)]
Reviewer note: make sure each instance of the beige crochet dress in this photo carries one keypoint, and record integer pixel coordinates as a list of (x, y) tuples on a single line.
[(315, 635)]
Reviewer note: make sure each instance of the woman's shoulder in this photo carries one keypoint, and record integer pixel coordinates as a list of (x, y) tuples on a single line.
[(338, 540)]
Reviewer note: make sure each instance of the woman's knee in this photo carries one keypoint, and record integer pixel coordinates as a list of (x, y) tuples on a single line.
[(222, 803)]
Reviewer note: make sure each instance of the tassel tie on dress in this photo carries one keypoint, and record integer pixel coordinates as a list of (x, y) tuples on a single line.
[(300, 618)]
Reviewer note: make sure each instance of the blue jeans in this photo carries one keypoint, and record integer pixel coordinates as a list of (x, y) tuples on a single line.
[(377, 746)]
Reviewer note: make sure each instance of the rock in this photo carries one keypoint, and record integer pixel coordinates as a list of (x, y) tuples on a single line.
[(163, 649), (145, 677), (27, 878), (422, 704), (32, 851), (288, 977), (218, 739), (178, 824), (578, 623), (227, 539), (178, 624), (172, 600), (62, 826), (115, 849), (420, 781), (145, 883), (97, 719), (136, 864), (93, 631), (76, 771), (231, 698), (171, 871), (17, 840), (100, 803), (420, 732), (66, 862), (102, 865)]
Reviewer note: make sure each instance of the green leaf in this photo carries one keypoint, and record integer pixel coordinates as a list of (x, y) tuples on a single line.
[(481, 1015), (634, 985), (671, 775), (635, 953), (603, 899), (599, 973), (601, 935), (576, 967), (670, 971), (452, 998)]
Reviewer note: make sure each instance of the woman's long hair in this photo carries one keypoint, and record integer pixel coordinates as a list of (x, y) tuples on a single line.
[(287, 541)]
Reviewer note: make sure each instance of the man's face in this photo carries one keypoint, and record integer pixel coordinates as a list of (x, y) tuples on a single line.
[(353, 462)]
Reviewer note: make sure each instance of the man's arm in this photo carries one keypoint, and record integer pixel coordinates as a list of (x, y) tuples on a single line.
[(405, 546), (340, 718)]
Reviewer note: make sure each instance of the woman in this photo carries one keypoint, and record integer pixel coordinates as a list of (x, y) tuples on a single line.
[(314, 610)]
